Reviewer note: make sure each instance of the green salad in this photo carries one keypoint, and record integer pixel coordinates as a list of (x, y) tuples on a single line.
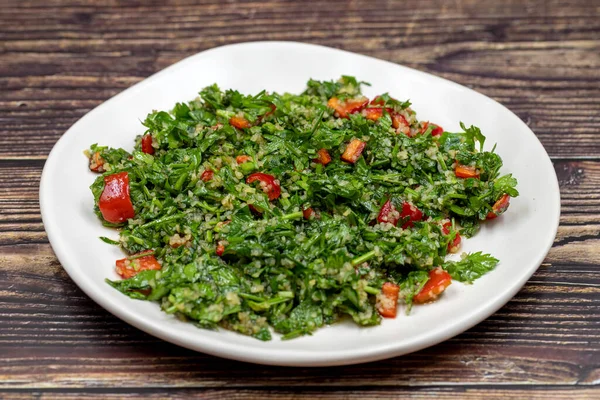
[(285, 212)]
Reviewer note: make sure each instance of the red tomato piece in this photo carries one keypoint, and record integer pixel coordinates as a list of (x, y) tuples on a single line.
[(268, 184), (410, 214), (242, 159), (398, 121), (454, 245), (239, 122), (308, 213), (353, 151), (254, 209), (207, 175), (147, 144), (438, 281), (377, 100), (96, 162), (347, 107), (220, 249), (465, 171), (387, 301), (499, 206), (437, 131), (323, 157), (115, 202), (373, 113), (388, 213), (131, 266)]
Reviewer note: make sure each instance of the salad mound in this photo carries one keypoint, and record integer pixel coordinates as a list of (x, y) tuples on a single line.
[(285, 212)]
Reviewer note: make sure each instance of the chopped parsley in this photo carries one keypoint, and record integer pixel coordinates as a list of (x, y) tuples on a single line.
[(288, 212)]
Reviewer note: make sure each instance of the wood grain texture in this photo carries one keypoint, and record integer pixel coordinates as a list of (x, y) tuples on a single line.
[(60, 59)]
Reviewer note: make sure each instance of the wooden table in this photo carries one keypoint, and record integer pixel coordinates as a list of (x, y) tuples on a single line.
[(58, 60)]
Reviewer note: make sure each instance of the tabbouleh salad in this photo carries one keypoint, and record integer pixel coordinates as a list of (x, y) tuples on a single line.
[(291, 212)]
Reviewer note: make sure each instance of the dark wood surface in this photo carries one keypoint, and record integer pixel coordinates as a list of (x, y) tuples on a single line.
[(58, 60)]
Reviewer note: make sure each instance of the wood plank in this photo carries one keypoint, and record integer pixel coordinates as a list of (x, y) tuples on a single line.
[(548, 334), (59, 59), (439, 393), (66, 63)]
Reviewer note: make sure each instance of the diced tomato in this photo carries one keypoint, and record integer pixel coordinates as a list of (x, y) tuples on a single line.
[(377, 100), (271, 111), (399, 121), (323, 157), (97, 162), (373, 113), (308, 213), (465, 171), (454, 245), (147, 144), (131, 266), (242, 159), (410, 214), (388, 213), (347, 107), (387, 304), (499, 206), (207, 175), (239, 122), (438, 281), (353, 151), (437, 131), (254, 209), (220, 249), (268, 184), (115, 202)]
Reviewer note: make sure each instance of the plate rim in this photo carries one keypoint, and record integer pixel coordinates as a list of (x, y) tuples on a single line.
[(282, 357)]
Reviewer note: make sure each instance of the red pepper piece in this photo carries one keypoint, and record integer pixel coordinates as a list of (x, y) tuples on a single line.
[(239, 122), (438, 281), (268, 184), (465, 171), (347, 107), (147, 144), (353, 151), (454, 245), (388, 213), (131, 266), (499, 207), (388, 300), (207, 175), (220, 249), (373, 113), (437, 131), (377, 100), (308, 213), (242, 159), (97, 162), (398, 121), (323, 157), (115, 202), (410, 214)]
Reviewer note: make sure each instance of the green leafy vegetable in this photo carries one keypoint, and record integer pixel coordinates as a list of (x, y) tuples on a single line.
[(471, 267), (305, 244)]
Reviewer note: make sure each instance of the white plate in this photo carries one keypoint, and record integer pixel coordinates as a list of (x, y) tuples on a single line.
[(520, 238)]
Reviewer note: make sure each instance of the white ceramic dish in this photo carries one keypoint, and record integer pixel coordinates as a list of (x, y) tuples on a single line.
[(520, 238)]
